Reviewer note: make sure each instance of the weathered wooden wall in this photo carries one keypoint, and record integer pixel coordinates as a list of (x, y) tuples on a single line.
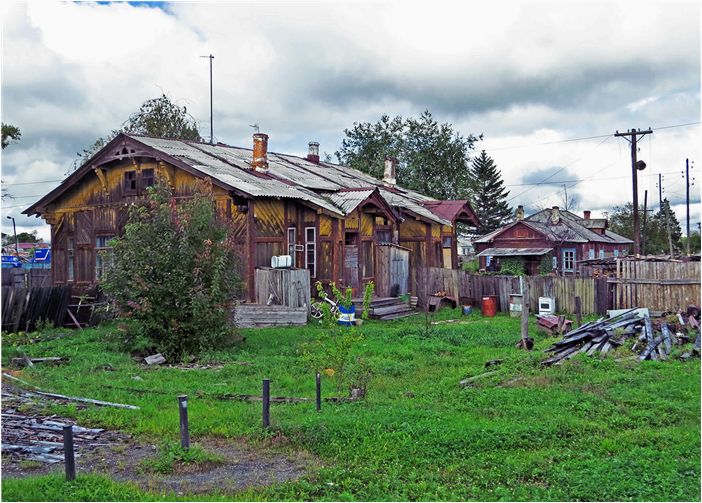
[(460, 284), (257, 315), (392, 268), (661, 286), (22, 308), (26, 278), (289, 287)]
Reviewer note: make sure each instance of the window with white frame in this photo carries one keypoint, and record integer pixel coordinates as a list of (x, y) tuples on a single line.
[(591, 253), (555, 262), (616, 252), (311, 250), (70, 257), (292, 239), (569, 259), (602, 253), (103, 255)]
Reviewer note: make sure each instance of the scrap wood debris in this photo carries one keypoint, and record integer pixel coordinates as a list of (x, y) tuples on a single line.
[(605, 335), (33, 436)]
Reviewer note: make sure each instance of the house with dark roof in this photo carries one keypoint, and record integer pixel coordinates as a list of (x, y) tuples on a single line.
[(330, 219), (551, 239)]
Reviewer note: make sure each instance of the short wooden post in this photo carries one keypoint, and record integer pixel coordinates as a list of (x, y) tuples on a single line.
[(578, 311), (184, 431), (266, 403), (561, 324), (68, 453), (319, 392), (525, 317)]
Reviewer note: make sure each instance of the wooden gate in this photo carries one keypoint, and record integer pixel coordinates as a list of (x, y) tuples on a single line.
[(392, 270)]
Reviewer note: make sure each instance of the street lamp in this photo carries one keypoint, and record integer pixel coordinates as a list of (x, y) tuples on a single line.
[(14, 229)]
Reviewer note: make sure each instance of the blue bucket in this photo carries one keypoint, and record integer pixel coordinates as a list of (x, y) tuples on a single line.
[(347, 316), (467, 310)]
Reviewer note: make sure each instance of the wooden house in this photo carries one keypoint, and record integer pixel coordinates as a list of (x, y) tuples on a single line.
[(560, 237), (331, 219)]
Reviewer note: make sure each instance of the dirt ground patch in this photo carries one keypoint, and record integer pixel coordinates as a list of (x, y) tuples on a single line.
[(122, 457)]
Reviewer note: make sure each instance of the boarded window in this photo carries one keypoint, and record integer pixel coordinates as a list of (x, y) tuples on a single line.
[(147, 178), (326, 259), (367, 259)]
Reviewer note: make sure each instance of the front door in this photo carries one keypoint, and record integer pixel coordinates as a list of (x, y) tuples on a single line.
[(351, 260)]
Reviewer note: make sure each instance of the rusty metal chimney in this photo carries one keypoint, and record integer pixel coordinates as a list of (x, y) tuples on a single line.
[(555, 215), (389, 176), (260, 152), (313, 152), (519, 214), (586, 214)]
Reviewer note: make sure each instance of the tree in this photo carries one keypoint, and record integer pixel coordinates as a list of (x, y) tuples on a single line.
[(655, 235), (10, 134), (174, 272), (432, 158), (488, 195), (694, 242), (158, 117), (22, 237)]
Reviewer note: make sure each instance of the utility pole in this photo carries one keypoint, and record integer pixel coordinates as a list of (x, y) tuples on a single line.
[(632, 136), (643, 240), (687, 201), (14, 229), (211, 57)]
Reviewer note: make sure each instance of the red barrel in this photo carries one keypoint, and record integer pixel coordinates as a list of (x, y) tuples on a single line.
[(489, 306)]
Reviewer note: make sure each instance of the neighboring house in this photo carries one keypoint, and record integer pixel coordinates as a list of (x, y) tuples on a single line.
[(561, 236), (466, 251), (329, 218)]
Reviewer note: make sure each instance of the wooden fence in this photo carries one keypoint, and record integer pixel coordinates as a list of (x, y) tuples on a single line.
[(29, 278), (471, 287), (22, 308), (662, 286)]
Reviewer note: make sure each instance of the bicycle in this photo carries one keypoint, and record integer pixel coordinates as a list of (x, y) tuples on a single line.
[(317, 312)]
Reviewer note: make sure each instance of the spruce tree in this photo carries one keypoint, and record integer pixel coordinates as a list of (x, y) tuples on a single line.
[(488, 195)]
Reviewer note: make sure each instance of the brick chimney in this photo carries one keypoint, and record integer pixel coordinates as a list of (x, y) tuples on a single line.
[(555, 215), (260, 152), (586, 214), (390, 171), (313, 152), (519, 214)]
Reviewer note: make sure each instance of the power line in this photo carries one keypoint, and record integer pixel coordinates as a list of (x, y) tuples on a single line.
[(30, 183), (578, 180), (582, 138)]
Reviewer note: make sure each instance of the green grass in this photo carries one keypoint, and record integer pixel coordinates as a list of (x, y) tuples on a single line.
[(588, 430), (171, 455)]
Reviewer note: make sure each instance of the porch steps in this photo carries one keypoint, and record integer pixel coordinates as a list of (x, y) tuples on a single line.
[(386, 308)]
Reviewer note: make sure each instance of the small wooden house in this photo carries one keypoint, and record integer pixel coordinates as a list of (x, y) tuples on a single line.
[(557, 236), (331, 219)]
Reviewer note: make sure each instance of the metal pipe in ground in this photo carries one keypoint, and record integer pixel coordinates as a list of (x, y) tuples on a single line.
[(184, 430), (68, 453), (266, 403)]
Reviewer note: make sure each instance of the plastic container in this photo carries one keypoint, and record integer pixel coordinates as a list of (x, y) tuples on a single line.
[(489, 306), (347, 316), (467, 310)]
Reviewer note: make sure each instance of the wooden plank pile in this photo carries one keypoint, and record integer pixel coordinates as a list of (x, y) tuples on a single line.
[(37, 437), (553, 325), (604, 335)]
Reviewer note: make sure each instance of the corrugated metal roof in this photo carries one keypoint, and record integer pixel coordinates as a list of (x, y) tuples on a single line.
[(350, 199), (513, 252), (232, 166)]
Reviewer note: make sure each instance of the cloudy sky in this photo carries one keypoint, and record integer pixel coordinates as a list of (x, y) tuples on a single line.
[(528, 75)]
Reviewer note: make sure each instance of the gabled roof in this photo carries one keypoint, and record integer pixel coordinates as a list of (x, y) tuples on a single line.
[(288, 176), (453, 210), (570, 228)]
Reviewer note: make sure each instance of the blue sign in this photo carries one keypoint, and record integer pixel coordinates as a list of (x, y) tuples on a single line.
[(9, 261)]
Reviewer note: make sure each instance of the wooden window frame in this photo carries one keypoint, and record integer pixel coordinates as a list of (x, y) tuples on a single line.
[(101, 262), (144, 178), (566, 260), (70, 260), (311, 246), (292, 242), (132, 180)]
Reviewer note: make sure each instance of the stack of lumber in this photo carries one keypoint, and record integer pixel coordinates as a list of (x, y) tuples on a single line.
[(596, 337), (602, 335)]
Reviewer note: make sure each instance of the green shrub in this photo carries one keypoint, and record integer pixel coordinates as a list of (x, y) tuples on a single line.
[(512, 266), (174, 271), (546, 265)]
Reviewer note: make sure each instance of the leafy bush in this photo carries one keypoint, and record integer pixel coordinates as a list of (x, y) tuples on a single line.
[(546, 265), (512, 266), (472, 266), (174, 272)]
